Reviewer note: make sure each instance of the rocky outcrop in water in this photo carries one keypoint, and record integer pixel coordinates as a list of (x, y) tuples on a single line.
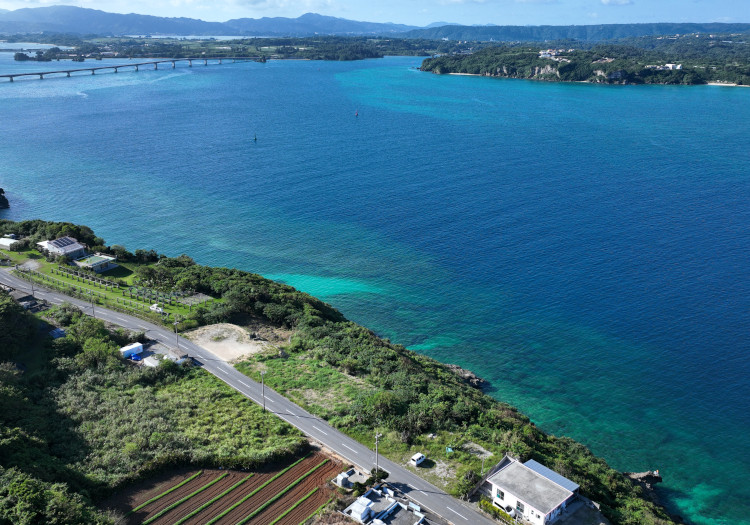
[(467, 375), (3, 200)]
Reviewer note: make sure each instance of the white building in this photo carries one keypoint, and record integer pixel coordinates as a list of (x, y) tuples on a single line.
[(7, 243), (131, 349), (65, 246), (536, 494)]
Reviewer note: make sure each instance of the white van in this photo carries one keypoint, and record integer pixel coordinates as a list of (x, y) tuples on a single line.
[(417, 459)]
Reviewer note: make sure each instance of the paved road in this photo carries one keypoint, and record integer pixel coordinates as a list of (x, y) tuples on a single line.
[(417, 489)]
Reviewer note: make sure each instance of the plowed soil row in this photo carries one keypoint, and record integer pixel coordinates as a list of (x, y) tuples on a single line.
[(266, 493), (126, 500), (165, 501), (316, 479), (195, 502), (309, 506)]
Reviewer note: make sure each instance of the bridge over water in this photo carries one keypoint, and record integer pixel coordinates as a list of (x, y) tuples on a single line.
[(134, 66)]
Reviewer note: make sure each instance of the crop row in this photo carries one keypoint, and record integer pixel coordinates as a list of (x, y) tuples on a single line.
[(280, 494), (253, 493), (213, 500), (290, 509), (171, 489), (183, 500)]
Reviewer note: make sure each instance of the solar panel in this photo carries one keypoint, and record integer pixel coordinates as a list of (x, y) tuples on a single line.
[(63, 241), (551, 475)]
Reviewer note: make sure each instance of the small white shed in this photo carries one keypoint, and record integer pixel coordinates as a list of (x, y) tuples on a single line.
[(131, 349)]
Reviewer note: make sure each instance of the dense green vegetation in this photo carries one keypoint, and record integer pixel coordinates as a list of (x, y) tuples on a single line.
[(140, 421), (639, 61), (310, 48), (76, 421)]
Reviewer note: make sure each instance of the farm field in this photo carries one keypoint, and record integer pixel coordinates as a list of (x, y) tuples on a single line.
[(287, 495)]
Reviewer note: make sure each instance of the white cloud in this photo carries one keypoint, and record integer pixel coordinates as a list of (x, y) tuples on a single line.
[(617, 2)]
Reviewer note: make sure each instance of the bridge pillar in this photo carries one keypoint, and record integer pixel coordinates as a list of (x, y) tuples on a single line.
[(156, 66), (173, 64), (205, 61), (68, 74), (11, 78), (41, 77), (190, 63), (136, 68), (219, 61), (93, 71)]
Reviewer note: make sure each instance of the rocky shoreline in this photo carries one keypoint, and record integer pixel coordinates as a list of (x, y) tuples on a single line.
[(468, 376)]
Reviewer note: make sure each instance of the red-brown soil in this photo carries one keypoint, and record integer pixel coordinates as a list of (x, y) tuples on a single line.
[(125, 501)]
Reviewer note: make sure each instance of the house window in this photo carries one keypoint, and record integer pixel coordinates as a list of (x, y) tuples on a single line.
[(519, 507), (500, 494)]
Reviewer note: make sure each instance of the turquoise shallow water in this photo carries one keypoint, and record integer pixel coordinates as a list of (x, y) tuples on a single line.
[(584, 248)]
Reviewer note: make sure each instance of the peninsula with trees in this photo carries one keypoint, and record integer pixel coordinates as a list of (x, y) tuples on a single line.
[(78, 423), (675, 59)]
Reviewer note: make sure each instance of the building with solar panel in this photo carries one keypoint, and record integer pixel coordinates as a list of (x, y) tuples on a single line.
[(65, 246), (530, 491)]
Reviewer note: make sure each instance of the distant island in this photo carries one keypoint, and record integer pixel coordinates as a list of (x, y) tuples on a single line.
[(4, 204), (689, 59)]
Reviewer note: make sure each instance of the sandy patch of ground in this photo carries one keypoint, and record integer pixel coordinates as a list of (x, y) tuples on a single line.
[(31, 264), (477, 450), (227, 341)]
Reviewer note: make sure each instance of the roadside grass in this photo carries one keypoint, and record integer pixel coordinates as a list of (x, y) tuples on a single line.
[(311, 383), (329, 393)]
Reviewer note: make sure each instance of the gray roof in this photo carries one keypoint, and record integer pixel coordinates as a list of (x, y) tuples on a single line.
[(530, 487), (552, 475)]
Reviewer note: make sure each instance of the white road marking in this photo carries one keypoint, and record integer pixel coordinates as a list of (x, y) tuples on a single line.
[(270, 400), (142, 327), (415, 488), (316, 428), (243, 383), (350, 448), (222, 371), (454, 512)]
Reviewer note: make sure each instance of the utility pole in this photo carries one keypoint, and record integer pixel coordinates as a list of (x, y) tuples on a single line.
[(263, 388), (377, 465), (176, 335)]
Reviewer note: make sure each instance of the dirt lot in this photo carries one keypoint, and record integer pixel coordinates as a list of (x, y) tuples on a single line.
[(228, 341), (125, 501)]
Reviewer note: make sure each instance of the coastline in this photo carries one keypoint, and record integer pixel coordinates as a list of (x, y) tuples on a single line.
[(723, 84)]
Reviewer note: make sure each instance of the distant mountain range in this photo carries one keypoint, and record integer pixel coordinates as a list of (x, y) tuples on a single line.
[(69, 19)]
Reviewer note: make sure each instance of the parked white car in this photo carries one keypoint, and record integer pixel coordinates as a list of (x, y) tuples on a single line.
[(417, 459), (156, 308)]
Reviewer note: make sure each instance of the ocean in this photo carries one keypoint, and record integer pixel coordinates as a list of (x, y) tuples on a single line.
[(584, 248)]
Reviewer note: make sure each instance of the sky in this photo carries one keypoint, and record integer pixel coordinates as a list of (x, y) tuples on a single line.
[(424, 12)]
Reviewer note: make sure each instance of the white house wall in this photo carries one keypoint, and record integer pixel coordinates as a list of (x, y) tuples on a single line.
[(530, 514)]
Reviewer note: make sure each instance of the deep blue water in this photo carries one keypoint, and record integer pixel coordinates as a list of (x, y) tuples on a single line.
[(585, 248)]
